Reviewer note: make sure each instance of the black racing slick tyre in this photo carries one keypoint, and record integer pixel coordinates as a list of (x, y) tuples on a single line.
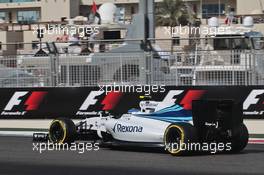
[(177, 137), (240, 139), (62, 130)]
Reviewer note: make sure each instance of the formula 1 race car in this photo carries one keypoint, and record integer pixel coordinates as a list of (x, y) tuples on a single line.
[(171, 128)]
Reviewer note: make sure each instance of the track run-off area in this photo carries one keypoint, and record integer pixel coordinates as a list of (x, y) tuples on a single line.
[(18, 158)]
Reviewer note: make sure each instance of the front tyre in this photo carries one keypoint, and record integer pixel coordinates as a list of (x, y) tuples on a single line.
[(62, 130), (177, 135)]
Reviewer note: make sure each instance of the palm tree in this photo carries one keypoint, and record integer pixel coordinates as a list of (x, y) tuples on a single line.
[(172, 13)]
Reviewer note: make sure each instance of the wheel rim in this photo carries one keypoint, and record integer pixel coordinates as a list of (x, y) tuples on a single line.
[(57, 132), (174, 138)]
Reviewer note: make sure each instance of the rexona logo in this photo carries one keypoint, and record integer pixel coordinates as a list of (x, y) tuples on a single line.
[(123, 128), (23, 101)]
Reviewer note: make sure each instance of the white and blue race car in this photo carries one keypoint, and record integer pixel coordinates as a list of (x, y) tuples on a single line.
[(171, 127)]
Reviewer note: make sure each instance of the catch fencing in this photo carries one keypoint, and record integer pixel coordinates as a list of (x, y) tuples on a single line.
[(167, 62)]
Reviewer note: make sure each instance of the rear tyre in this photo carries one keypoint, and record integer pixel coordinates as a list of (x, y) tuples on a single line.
[(62, 130), (240, 139), (177, 135)]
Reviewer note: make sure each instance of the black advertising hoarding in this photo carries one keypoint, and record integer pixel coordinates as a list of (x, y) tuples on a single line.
[(81, 102)]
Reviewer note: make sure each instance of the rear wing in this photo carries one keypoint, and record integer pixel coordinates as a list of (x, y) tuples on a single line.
[(222, 115)]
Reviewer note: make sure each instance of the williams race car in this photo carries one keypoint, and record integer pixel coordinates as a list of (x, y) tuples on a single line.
[(171, 128)]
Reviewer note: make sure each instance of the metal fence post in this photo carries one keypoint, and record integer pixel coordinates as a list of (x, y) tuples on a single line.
[(143, 68), (148, 67), (247, 59), (54, 68), (67, 71), (121, 68), (254, 75)]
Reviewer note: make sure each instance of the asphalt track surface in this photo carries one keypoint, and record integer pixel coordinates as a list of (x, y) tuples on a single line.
[(18, 158)]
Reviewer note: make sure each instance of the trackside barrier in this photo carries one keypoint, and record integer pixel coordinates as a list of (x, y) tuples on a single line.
[(82, 102)]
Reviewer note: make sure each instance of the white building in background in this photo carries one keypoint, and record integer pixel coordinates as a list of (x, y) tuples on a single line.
[(54, 10), (20, 15)]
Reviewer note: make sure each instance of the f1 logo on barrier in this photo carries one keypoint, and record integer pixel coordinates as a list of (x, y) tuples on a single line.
[(32, 102), (253, 99), (109, 102), (186, 101), (111, 99)]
